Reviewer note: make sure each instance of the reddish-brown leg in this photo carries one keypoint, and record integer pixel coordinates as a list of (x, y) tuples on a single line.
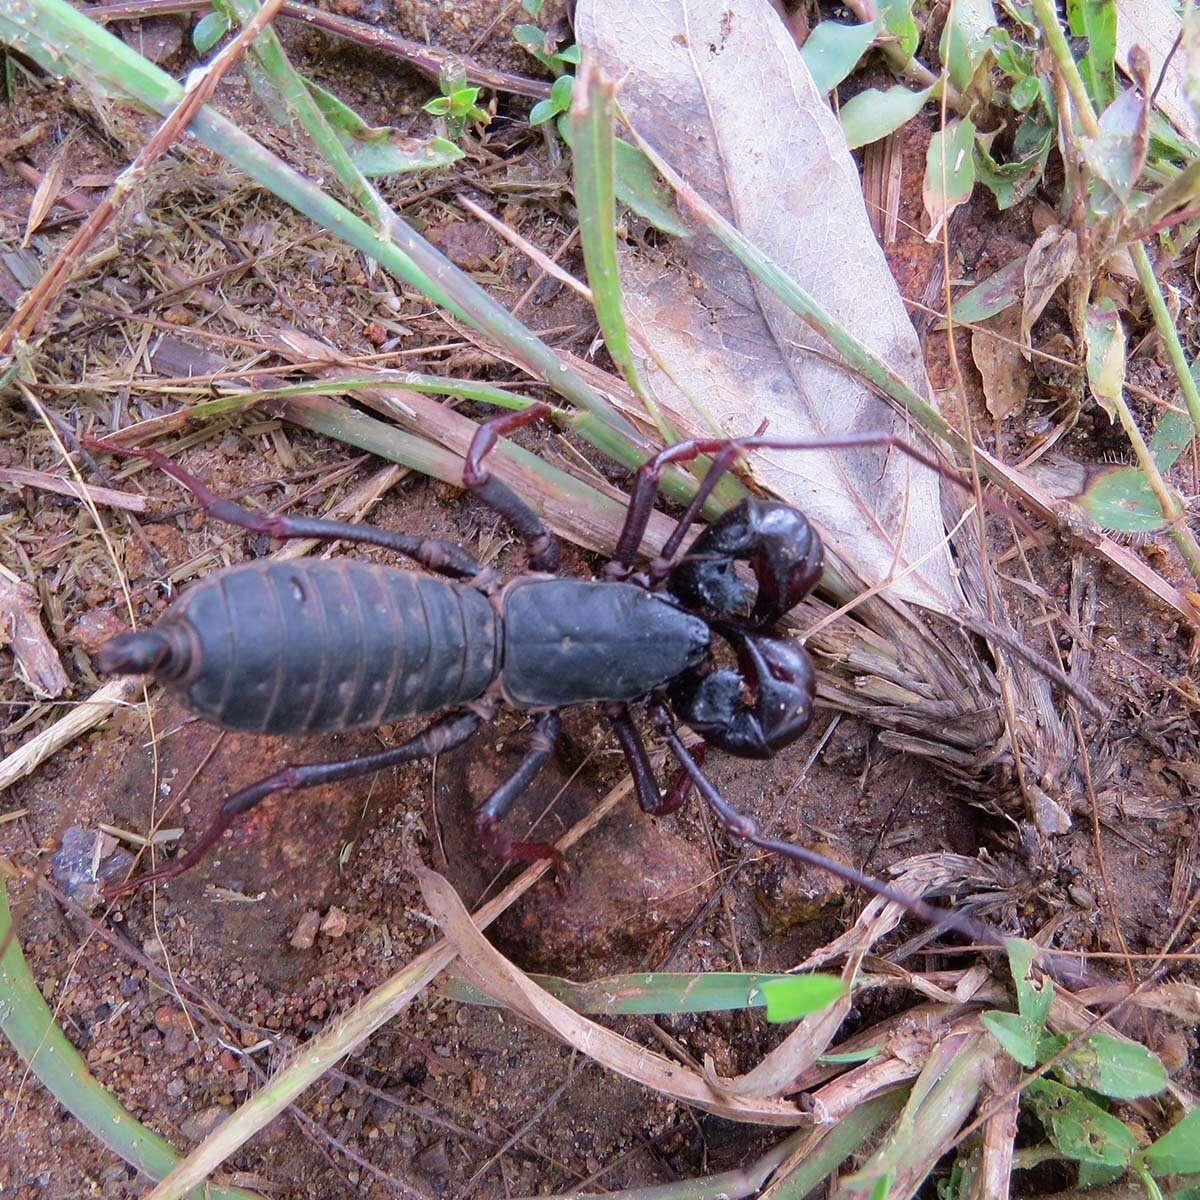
[(540, 544), (494, 838), (443, 557), (451, 731), (650, 797)]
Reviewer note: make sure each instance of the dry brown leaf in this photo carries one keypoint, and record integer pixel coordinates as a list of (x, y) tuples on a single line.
[(47, 193), (1048, 264), (1156, 25), (21, 628), (489, 970), (722, 93), (1005, 373)]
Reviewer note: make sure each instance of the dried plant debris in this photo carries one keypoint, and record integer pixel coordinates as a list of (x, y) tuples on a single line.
[(22, 631)]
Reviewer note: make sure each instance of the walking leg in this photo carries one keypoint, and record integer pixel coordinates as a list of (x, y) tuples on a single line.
[(452, 730)]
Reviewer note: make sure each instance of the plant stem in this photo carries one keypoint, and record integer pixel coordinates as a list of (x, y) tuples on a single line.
[(1166, 329), (1057, 42), (1181, 534), (430, 60), (1173, 510)]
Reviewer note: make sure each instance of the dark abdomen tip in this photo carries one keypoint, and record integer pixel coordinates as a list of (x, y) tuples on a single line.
[(138, 653)]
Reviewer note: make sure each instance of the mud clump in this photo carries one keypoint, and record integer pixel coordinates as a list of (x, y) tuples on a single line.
[(633, 885)]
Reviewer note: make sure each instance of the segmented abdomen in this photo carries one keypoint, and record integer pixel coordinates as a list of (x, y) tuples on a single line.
[(317, 646)]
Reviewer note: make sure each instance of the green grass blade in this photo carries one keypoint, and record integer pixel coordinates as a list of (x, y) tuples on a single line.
[(593, 164), (834, 1147), (29, 1025), (267, 51), (646, 993), (589, 517)]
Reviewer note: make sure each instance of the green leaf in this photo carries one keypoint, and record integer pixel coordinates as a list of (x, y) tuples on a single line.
[(533, 8), (1022, 14), (1016, 1034), (883, 1185), (949, 170), (1119, 153), (1172, 436), (1105, 336), (898, 20), (560, 93), (1078, 1128), (1013, 181), (1166, 140), (1177, 1152), (380, 150), (439, 106), (1122, 1070), (533, 39), (529, 36), (572, 56), (1094, 1174), (1014, 59), (1120, 499), (966, 39), (1096, 20), (994, 294), (873, 114), (797, 995), (543, 111), (639, 187), (210, 29), (832, 51), (1032, 1001), (1025, 92), (645, 992)]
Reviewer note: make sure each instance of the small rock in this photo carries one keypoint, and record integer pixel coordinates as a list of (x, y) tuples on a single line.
[(789, 894), (197, 1128), (95, 627), (159, 39), (85, 861), (433, 1161), (470, 245), (1081, 896), (175, 1043), (168, 1017), (305, 934), (176, 1088), (335, 922), (153, 948), (635, 883)]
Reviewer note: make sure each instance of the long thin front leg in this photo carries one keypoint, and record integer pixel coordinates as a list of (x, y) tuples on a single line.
[(541, 545), (649, 795), (645, 491), (444, 557), (645, 486), (489, 815), (452, 730), (739, 825)]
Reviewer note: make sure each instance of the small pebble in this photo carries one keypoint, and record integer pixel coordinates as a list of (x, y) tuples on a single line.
[(335, 922), (306, 932)]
